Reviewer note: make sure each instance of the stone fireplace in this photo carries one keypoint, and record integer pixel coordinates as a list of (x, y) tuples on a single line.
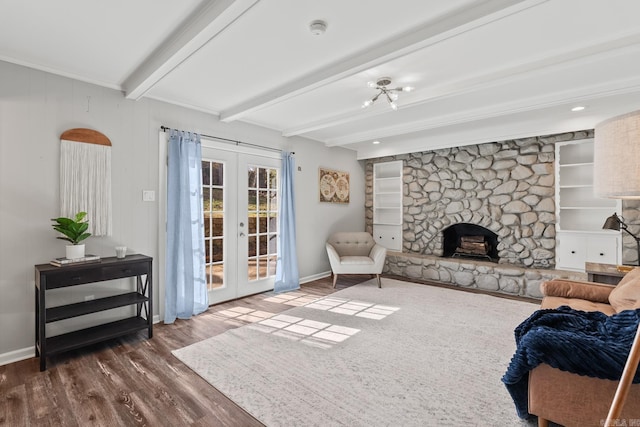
[(505, 187)]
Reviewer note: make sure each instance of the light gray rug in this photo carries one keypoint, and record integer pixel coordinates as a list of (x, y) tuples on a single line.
[(403, 355)]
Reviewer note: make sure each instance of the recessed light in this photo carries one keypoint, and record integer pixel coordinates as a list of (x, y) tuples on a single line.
[(376, 142), (578, 108)]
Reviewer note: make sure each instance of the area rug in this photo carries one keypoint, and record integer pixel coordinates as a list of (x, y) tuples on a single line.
[(404, 355)]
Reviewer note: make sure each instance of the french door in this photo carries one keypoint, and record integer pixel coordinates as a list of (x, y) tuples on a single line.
[(240, 192)]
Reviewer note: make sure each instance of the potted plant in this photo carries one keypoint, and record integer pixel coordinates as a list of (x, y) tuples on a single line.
[(75, 231)]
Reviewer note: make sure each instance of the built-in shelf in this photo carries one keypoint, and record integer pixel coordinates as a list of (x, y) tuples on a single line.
[(580, 214), (387, 204)]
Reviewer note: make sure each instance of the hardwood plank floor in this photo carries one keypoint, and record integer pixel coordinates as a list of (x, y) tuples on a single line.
[(133, 381)]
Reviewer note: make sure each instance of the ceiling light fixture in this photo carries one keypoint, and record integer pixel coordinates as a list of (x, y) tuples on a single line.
[(376, 142), (391, 94), (578, 108)]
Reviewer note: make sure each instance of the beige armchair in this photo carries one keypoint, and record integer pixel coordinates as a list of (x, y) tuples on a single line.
[(355, 253)]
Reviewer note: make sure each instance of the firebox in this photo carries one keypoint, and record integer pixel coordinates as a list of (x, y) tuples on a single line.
[(470, 240)]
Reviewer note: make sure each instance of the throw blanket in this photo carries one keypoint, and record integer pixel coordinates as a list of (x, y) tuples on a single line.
[(584, 343)]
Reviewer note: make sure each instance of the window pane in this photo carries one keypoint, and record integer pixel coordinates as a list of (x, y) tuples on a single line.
[(262, 178), (218, 225), (206, 172), (273, 201), (206, 202), (215, 276), (263, 244), (207, 225), (273, 243), (251, 182), (252, 224), (273, 178), (273, 222), (252, 269), (253, 244), (262, 201), (218, 253), (251, 200), (217, 174), (207, 251), (217, 198), (262, 267)]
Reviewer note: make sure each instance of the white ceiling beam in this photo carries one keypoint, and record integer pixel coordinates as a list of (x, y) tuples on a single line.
[(453, 24), (203, 25)]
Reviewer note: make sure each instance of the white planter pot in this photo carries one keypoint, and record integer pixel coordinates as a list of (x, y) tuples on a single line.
[(75, 251)]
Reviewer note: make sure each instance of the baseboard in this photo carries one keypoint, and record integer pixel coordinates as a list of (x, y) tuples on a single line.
[(17, 355), (313, 277)]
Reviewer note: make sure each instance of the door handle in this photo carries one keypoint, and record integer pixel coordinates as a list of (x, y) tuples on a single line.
[(241, 234)]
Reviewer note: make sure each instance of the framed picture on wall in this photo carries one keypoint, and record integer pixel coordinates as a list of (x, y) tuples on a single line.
[(333, 186)]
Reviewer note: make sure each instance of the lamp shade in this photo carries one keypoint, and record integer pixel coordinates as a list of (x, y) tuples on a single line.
[(617, 157), (612, 223)]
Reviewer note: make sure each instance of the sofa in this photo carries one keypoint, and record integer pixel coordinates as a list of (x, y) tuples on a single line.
[(569, 399)]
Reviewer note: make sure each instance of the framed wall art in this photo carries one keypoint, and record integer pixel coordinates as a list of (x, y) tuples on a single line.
[(333, 186)]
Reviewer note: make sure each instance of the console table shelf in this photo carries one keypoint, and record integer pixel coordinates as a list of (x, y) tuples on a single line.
[(81, 308), (50, 277), (96, 334)]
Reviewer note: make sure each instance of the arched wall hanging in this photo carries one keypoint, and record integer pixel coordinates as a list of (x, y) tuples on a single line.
[(85, 178)]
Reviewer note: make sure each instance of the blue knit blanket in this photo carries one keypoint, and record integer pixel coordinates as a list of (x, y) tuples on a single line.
[(585, 343)]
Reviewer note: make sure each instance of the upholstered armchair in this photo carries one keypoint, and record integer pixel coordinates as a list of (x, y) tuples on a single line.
[(355, 253)]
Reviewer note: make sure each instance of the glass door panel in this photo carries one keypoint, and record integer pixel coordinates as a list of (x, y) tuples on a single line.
[(262, 176)]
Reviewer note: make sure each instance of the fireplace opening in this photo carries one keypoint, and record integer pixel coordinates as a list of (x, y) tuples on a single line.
[(470, 241)]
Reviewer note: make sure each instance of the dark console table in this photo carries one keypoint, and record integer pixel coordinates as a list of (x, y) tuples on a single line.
[(50, 277)]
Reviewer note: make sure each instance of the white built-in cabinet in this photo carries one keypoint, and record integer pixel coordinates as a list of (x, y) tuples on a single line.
[(387, 204), (580, 214)]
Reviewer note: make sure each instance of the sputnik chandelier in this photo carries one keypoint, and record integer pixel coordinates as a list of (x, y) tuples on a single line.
[(391, 94)]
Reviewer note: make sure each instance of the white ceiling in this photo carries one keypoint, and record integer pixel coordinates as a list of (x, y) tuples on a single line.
[(482, 70)]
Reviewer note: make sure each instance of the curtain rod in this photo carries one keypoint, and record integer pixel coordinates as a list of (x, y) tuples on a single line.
[(231, 141)]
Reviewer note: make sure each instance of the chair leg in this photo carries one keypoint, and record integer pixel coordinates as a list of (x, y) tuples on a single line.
[(335, 279), (542, 422), (379, 282)]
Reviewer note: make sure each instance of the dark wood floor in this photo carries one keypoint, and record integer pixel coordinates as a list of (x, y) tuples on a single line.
[(133, 381)]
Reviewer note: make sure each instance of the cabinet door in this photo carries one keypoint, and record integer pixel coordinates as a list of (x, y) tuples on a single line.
[(389, 236), (571, 251), (602, 249)]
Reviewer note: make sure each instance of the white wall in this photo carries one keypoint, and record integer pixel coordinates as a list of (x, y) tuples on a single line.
[(36, 107)]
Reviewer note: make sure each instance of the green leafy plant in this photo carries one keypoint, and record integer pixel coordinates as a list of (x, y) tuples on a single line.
[(74, 230)]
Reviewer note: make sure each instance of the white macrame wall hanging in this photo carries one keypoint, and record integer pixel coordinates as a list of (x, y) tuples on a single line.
[(85, 178)]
